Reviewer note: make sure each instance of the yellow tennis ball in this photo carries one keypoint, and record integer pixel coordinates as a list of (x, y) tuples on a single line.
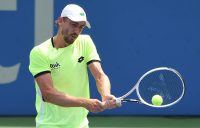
[(157, 100)]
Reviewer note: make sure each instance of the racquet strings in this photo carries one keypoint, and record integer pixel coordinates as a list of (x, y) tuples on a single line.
[(165, 83)]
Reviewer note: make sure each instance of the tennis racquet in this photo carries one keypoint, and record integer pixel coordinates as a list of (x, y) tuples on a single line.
[(163, 81)]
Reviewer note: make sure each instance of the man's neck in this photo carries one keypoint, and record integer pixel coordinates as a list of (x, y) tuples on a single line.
[(59, 42)]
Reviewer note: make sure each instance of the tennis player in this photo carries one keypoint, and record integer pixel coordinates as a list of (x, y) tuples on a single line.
[(60, 68)]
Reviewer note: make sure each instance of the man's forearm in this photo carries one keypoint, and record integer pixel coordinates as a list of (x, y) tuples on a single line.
[(61, 99), (103, 85)]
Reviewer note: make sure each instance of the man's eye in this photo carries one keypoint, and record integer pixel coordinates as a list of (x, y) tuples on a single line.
[(81, 27), (74, 25)]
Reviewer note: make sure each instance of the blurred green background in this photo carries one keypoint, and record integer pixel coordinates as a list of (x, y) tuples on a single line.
[(115, 122)]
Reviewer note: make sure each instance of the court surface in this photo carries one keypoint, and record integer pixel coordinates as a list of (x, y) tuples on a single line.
[(115, 122)]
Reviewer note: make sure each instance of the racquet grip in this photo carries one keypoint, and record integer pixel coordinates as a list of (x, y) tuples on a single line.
[(118, 102)]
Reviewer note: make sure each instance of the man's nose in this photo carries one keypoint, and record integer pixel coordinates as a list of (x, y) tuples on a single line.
[(77, 30)]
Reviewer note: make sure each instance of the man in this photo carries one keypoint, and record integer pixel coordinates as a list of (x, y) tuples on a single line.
[(59, 66)]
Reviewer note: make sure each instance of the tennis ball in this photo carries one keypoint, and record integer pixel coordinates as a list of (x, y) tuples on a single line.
[(157, 100)]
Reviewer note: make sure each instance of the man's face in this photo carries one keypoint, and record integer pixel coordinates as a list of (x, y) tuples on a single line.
[(70, 29)]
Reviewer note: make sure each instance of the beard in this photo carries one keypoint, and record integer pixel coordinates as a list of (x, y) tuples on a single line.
[(69, 38)]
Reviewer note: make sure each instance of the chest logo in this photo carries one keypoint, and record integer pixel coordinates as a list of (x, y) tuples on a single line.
[(80, 59), (55, 66)]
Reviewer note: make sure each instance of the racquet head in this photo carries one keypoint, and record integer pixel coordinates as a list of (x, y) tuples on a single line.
[(164, 82)]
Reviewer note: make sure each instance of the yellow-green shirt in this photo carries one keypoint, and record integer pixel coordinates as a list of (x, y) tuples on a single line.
[(68, 68)]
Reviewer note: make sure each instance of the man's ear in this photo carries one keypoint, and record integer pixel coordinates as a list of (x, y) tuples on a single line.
[(59, 21)]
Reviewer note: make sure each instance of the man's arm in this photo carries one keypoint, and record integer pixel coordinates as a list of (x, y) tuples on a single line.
[(51, 95), (103, 84), (102, 80)]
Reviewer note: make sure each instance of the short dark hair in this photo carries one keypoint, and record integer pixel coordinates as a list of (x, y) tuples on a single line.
[(64, 19)]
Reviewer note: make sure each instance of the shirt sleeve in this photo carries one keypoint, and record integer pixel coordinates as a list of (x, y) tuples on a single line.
[(38, 63), (91, 51)]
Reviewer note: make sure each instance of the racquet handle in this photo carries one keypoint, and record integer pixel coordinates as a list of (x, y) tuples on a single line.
[(131, 100)]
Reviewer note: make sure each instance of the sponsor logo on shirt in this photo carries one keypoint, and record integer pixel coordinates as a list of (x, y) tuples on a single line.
[(55, 66), (80, 59)]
